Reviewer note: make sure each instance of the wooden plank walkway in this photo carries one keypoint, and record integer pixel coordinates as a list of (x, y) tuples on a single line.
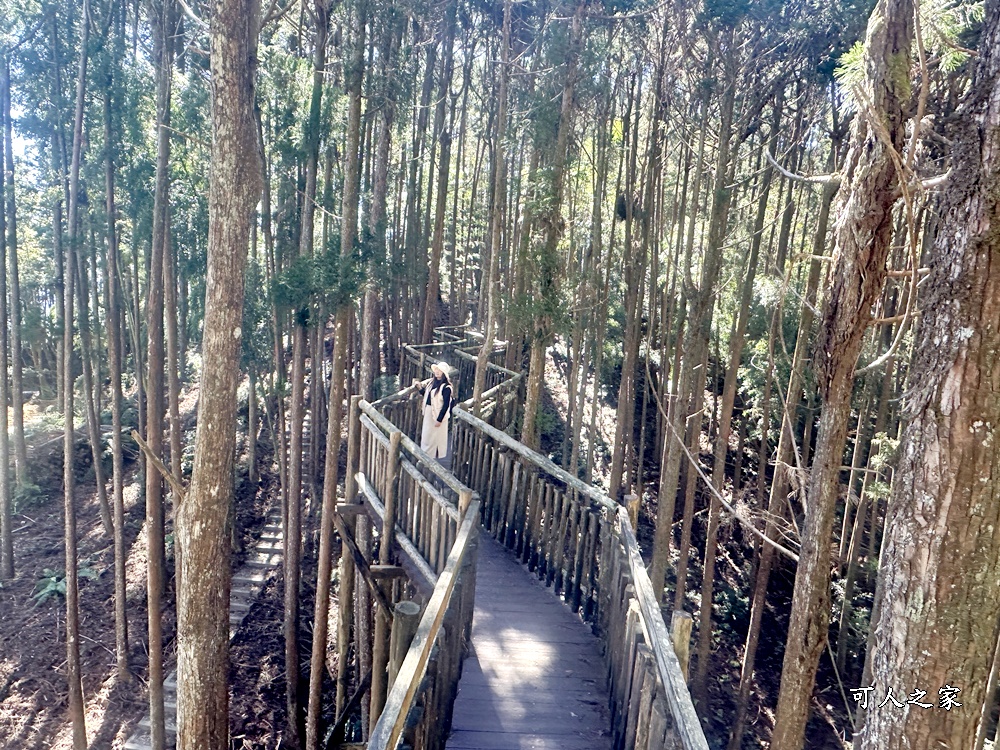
[(535, 678)]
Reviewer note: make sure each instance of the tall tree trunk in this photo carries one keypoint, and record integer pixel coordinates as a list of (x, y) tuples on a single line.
[(6, 498), (779, 479), (863, 234), (549, 265), (737, 340), (670, 454), (432, 296), (298, 729), (163, 24), (73, 672), (376, 230), (234, 188), (17, 379), (634, 278), (348, 236), (114, 323), (413, 239), (491, 284), (942, 554)]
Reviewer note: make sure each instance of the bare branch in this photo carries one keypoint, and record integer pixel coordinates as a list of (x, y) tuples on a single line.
[(179, 489), (192, 15), (823, 179), (711, 488)]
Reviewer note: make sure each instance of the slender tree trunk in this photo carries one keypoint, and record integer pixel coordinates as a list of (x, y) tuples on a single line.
[(670, 454), (73, 672), (432, 297), (17, 379), (549, 265), (491, 285), (6, 498), (163, 24), (376, 231), (296, 727), (737, 340), (863, 234), (93, 425), (634, 278), (348, 235), (114, 323)]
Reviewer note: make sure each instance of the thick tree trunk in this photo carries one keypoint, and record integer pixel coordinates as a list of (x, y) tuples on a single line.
[(942, 555), (203, 602), (863, 233)]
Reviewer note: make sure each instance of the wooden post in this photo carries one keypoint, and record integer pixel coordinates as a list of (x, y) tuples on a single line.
[(404, 627), (380, 646), (680, 628), (345, 603), (464, 499), (353, 448), (632, 504), (392, 483)]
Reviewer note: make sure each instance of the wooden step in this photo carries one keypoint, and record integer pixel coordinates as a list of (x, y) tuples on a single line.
[(248, 578), (142, 741), (169, 721), (247, 582)]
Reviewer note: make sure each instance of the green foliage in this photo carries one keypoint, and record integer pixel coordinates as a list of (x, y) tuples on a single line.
[(325, 277), (53, 582), (28, 495), (943, 24), (725, 12)]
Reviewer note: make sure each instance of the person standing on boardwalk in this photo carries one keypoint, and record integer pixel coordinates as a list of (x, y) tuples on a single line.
[(438, 394)]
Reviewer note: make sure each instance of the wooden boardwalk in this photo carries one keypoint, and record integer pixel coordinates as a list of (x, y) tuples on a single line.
[(535, 678)]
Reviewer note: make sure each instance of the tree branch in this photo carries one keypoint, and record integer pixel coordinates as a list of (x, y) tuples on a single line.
[(192, 15), (175, 484), (824, 179)]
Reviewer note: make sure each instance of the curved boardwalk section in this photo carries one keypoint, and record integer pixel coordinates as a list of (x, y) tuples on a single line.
[(535, 679)]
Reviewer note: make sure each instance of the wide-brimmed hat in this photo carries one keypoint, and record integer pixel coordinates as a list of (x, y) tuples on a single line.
[(443, 367)]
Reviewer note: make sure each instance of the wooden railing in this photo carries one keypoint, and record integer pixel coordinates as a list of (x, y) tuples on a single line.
[(428, 523), (570, 534), (499, 402), (582, 544)]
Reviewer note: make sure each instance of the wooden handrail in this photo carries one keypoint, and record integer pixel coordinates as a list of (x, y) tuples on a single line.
[(433, 466), (658, 638), (538, 460), (389, 728)]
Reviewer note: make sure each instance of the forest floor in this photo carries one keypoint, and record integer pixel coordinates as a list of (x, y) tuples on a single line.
[(33, 692)]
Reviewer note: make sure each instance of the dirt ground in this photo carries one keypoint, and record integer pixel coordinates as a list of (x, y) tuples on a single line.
[(33, 693)]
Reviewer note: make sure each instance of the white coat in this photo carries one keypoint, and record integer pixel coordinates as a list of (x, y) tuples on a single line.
[(434, 439)]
